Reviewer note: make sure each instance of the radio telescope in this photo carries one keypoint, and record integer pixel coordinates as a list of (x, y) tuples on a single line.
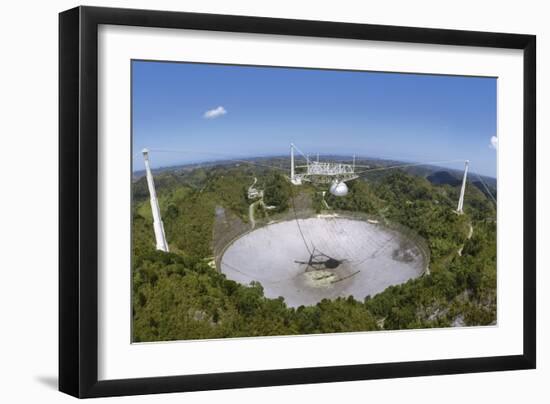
[(332, 173)]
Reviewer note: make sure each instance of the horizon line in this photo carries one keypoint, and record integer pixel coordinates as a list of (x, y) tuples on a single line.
[(243, 160)]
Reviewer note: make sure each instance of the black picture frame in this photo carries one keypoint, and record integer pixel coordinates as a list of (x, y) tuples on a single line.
[(78, 201)]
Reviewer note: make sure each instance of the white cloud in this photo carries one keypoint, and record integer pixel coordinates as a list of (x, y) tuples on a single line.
[(215, 113), (494, 142)]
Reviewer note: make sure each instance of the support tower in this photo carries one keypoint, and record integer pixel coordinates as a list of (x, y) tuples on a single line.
[(158, 226), (461, 199), (293, 178)]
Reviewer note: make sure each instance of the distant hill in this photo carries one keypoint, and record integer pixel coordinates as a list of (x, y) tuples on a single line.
[(454, 179), (443, 178)]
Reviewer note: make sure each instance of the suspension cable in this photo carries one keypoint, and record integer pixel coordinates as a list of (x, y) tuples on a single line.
[(486, 188), (408, 165), (300, 151), (226, 156), (298, 222)]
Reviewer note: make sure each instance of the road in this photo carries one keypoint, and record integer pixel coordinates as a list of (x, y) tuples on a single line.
[(251, 213), (470, 233)]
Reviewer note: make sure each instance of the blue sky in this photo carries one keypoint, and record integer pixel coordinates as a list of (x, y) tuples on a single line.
[(216, 110)]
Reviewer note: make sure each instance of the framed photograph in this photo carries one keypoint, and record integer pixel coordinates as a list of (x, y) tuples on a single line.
[(251, 201)]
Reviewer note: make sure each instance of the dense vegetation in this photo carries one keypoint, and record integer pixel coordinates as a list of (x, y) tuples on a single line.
[(181, 295)]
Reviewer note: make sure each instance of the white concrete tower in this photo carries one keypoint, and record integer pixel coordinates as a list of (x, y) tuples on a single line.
[(461, 199), (295, 180), (292, 162), (157, 221)]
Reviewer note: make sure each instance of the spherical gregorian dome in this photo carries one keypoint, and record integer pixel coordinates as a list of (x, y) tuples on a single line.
[(339, 189)]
